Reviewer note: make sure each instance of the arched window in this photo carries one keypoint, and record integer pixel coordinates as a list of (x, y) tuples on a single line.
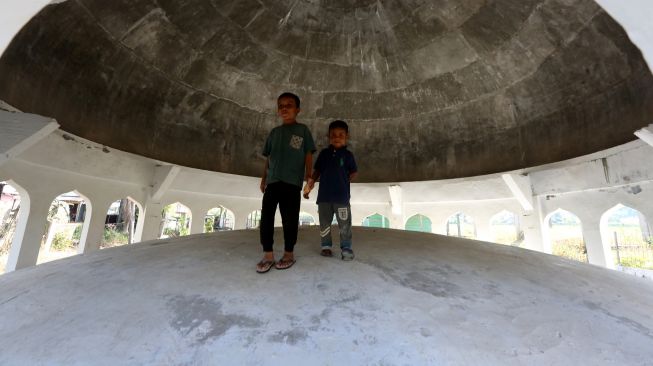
[(65, 220), (176, 220), (219, 219), (253, 219), (376, 220), (566, 235), (419, 223), (505, 228), (461, 225), (629, 236), (120, 223), (9, 208), (306, 219)]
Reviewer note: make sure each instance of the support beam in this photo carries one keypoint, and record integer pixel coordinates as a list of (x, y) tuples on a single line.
[(598, 253), (396, 199), (20, 131), (151, 226), (397, 207), (520, 186), (646, 134), (163, 177)]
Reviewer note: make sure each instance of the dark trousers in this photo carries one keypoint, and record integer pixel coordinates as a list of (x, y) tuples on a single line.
[(288, 197)]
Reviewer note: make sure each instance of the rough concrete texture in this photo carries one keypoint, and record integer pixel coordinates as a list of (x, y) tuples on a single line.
[(438, 89), (407, 299)]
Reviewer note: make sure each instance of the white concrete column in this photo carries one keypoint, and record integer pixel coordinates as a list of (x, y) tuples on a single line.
[(397, 209), (483, 231), (30, 229), (93, 229), (241, 219), (138, 230), (197, 219), (151, 218), (531, 223), (598, 253)]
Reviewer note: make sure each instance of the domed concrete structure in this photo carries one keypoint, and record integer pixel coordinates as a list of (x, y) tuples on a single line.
[(148, 91), (443, 89), (408, 299)]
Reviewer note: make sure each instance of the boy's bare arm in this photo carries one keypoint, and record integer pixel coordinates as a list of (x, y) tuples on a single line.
[(352, 176), (308, 162), (265, 175)]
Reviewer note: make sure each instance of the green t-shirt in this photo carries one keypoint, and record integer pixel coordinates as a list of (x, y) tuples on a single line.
[(287, 146)]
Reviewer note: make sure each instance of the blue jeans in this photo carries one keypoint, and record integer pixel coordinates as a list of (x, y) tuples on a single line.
[(343, 216)]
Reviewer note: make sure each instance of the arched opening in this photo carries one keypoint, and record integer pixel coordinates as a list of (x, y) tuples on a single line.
[(461, 225), (565, 234), (419, 222), (306, 219), (9, 208), (219, 219), (176, 220), (376, 220), (64, 225), (253, 219), (120, 223), (505, 229), (629, 236)]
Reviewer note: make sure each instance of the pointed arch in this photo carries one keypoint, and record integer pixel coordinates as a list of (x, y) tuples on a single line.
[(176, 220), (219, 218), (461, 225), (376, 220), (626, 232), (419, 222), (505, 228), (564, 235)]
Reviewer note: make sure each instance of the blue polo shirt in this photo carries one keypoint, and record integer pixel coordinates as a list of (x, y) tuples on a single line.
[(334, 166)]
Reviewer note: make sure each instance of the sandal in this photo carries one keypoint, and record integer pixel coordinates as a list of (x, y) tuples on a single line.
[(284, 263), (326, 253), (264, 265), (347, 254)]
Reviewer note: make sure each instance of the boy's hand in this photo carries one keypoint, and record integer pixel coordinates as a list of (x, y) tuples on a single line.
[(263, 185), (307, 190)]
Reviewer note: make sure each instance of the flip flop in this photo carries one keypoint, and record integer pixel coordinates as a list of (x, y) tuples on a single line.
[(284, 263), (264, 266)]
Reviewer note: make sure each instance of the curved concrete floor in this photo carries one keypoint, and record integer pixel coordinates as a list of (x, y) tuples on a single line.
[(408, 299)]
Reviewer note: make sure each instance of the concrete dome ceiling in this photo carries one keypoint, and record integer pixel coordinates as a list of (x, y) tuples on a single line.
[(432, 88)]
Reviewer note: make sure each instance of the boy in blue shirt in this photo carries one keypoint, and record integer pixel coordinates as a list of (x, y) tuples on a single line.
[(289, 150), (336, 168)]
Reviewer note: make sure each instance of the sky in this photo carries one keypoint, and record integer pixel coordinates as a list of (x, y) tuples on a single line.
[(13, 15)]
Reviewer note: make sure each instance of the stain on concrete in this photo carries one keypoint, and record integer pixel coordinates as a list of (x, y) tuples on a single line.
[(203, 320), (634, 325), (634, 189), (420, 282), (14, 297), (291, 337)]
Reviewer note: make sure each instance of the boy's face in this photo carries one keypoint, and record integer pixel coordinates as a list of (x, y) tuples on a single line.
[(287, 109), (338, 137)]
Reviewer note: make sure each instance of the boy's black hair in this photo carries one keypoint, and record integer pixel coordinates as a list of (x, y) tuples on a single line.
[(338, 124), (290, 95)]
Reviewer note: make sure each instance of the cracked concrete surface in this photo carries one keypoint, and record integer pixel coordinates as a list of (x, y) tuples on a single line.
[(408, 299)]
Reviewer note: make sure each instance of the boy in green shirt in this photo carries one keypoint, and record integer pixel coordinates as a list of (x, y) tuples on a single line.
[(289, 150)]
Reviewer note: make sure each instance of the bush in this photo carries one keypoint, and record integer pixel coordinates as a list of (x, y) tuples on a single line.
[(633, 262), (112, 237), (61, 242)]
